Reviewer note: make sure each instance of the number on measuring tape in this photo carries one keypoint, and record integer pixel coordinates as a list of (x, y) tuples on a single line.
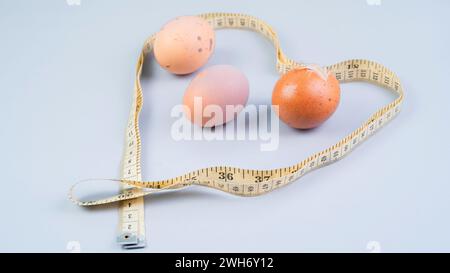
[(237, 181)]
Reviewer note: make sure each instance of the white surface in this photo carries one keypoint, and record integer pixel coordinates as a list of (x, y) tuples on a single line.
[(66, 75)]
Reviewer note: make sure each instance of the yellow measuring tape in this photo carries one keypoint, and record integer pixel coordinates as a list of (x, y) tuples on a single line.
[(243, 182)]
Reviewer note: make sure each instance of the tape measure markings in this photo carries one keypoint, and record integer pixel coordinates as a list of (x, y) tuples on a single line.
[(243, 182)]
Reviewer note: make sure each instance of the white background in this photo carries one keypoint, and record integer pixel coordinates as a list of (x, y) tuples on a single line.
[(66, 79)]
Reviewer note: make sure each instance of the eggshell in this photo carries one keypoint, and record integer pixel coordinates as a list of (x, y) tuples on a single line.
[(216, 86), (184, 44), (306, 97)]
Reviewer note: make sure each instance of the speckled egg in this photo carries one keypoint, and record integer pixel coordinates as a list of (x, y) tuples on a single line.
[(184, 44), (212, 91), (306, 96)]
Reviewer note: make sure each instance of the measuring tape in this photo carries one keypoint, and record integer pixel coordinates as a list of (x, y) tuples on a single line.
[(243, 182)]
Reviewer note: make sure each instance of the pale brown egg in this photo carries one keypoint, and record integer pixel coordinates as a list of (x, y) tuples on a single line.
[(306, 97), (184, 44), (216, 95)]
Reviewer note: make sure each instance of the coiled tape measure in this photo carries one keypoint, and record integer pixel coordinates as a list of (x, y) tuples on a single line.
[(243, 182)]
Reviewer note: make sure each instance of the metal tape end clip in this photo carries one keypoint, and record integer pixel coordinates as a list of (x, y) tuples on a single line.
[(130, 241)]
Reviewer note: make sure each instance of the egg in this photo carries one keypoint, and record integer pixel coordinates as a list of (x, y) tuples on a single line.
[(212, 91), (184, 44), (306, 96)]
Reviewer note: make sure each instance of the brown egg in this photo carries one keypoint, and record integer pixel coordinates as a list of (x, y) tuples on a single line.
[(306, 97), (184, 44)]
